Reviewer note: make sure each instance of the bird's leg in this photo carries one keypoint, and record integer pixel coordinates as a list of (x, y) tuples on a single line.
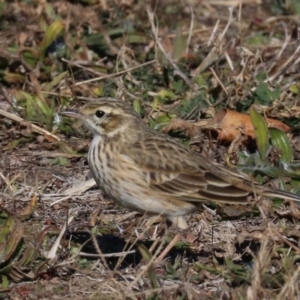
[(179, 222)]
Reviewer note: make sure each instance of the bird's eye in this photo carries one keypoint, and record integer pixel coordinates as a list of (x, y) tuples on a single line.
[(99, 114)]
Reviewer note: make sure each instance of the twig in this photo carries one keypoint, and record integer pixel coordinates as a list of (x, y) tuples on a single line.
[(191, 30), (285, 43), (100, 253), (7, 182), (213, 33), (55, 154), (290, 286), (79, 65), (209, 58), (162, 49), (150, 292), (168, 248), (118, 73), (261, 261), (80, 188), (34, 127), (220, 82), (117, 254), (286, 241), (51, 254), (286, 65), (149, 264)]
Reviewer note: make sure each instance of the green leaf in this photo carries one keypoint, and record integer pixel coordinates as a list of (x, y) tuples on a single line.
[(4, 286), (295, 7), (61, 161), (136, 38), (30, 56), (38, 110), (201, 81), (162, 120), (272, 171), (49, 86), (294, 88), (99, 43), (151, 123), (261, 133), (66, 148), (51, 34), (179, 43), (11, 234), (257, 38), (178, 87), (265, 94), (137, 106), (280, 140), (147, 256), (165, 96), (98, 90), (13, 77)]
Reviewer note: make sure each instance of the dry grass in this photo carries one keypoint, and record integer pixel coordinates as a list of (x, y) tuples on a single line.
[(179, 64)]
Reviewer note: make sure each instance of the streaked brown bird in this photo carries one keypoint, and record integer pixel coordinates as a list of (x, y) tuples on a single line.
[(148, 171)]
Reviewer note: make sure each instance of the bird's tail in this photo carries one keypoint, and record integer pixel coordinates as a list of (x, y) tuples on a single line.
[(281, 194)]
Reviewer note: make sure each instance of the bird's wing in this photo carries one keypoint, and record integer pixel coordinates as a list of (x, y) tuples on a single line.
[(173, 170)]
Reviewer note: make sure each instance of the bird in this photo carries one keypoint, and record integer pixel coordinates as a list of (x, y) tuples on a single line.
[(151, 172)]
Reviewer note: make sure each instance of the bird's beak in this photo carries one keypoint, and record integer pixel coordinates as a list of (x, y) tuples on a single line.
[(74, 113)]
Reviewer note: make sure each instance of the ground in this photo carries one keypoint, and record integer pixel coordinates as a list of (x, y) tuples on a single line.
[(220, 76)]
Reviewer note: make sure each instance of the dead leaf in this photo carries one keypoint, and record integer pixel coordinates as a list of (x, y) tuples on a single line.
[(189, 128), (229, 124)]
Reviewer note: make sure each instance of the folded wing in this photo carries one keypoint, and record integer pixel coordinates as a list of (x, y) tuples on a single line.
[(175, 171)]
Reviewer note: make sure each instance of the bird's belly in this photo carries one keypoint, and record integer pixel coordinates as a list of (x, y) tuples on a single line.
[(129, 194), (136, 198), (129, 188)]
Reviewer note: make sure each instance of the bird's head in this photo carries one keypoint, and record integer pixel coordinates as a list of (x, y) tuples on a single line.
[(106, 117)]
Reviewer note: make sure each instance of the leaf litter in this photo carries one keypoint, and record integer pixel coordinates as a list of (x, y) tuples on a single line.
[(196, 70)]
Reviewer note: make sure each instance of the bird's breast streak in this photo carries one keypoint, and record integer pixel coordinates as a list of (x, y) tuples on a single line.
[(127, 186)]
